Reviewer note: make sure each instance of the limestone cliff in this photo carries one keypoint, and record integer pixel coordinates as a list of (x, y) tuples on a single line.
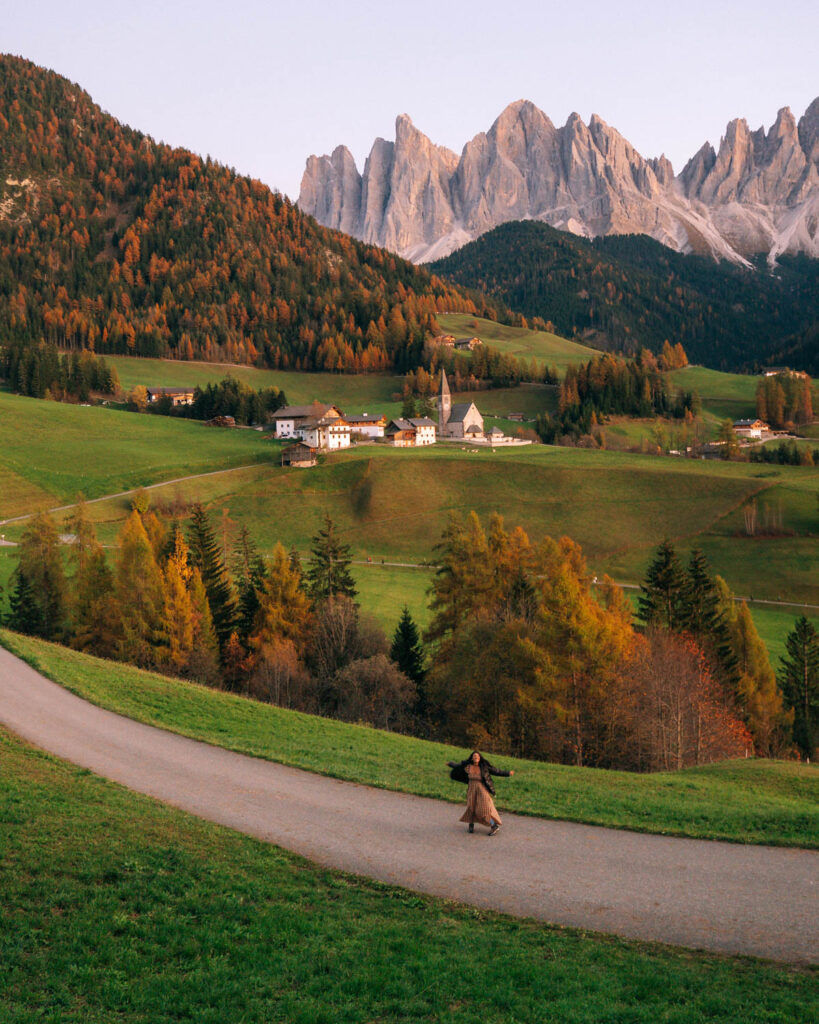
[(758, 193)]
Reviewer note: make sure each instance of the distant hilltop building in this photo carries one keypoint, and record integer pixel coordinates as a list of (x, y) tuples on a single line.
[(462, 420), (751, 428), (177, 396), (777, 371)]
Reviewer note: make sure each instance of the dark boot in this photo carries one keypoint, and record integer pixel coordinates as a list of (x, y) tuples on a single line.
[(472, 826)]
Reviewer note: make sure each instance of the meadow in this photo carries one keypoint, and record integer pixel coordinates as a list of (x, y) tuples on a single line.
[(51, 452), (393, 505), (753, 801), (119, 910), (724, 395), (545, 348)]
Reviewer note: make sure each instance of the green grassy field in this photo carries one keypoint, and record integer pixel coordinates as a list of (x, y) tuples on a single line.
[(394, 504), (747, 801), (726, 395), (546, 349), (376, 393), (50, 452), (118, 910), (300, 388)]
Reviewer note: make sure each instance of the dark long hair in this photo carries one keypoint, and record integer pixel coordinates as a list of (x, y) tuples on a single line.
[(481, 760)]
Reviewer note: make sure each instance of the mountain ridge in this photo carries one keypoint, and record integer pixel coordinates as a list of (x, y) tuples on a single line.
[(625, 292), (757, 194), (114, 242)]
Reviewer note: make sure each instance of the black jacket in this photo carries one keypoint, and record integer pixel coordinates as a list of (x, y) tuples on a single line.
[(458, 772)]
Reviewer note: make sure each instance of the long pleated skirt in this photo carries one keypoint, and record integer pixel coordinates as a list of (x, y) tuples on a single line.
[(480, 807)]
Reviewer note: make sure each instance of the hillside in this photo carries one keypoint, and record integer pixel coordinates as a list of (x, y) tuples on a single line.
[(624, 292), (758, 801), (117, 908), (113, 241), (617, 506)]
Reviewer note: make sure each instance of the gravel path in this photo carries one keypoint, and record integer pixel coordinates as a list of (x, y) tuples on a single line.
[(716, 896)]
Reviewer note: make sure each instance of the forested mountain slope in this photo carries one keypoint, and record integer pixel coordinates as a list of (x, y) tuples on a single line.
[(628, 291), (113, 241)]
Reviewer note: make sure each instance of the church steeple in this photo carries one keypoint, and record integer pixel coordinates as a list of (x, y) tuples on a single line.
[(444, 402)]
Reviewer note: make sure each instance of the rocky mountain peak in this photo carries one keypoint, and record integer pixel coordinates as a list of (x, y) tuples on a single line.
[(756, 193)]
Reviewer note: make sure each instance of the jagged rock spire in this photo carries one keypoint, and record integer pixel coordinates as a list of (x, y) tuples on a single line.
[(757, 194)]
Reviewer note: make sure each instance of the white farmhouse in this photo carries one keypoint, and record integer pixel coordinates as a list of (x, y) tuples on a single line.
[(425, 431), (329, 433), (367, 424), (291, 417)]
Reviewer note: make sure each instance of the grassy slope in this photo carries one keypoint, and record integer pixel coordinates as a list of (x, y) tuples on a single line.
[(393, 504), (547, 349), (751, 801), (723, 394), (117, 910), (50, 452)]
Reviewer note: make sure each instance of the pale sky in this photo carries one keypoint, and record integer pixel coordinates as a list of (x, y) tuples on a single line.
[(260, 86)]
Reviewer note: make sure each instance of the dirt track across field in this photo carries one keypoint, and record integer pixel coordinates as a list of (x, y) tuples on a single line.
[(724, 897)]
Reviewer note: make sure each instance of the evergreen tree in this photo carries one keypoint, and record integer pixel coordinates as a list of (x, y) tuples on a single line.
[(24, 615), (295, 561), (207, 557), (701, 613), (661, 601), (799, 678), (407, 651), (328, 574), (92, 607), (250, 573), (204, 661)]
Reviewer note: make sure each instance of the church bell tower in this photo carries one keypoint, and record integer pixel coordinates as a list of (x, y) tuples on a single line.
[(444, 403)]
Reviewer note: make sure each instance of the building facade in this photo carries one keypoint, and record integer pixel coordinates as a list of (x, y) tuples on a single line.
[(367, 425), (291, 417), (460, 421)]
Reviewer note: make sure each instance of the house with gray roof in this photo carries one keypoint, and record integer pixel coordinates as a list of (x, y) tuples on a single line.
[(288, 420)]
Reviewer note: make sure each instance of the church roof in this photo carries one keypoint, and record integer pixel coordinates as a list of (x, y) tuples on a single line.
[(460, 410), (444, 392)]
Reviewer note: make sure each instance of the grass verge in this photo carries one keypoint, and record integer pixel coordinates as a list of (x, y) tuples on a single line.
[(118, 909), (755, 801)]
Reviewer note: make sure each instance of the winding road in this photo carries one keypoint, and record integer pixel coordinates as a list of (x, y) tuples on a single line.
[(716, 896)]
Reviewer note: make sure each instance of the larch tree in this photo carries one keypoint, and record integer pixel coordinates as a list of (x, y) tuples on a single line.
[(139, 597), (38, 599), (177, 615), (757, 698)]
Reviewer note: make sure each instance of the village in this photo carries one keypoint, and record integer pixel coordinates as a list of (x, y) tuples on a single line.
[(320, 427)]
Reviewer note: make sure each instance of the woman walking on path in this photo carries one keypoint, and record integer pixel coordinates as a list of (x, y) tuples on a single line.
[(478, 772)]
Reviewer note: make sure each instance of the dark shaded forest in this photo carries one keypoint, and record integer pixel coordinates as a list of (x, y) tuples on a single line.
[(625, 292)]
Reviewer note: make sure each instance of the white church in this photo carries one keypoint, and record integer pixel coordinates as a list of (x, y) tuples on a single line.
[(462, 420)]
